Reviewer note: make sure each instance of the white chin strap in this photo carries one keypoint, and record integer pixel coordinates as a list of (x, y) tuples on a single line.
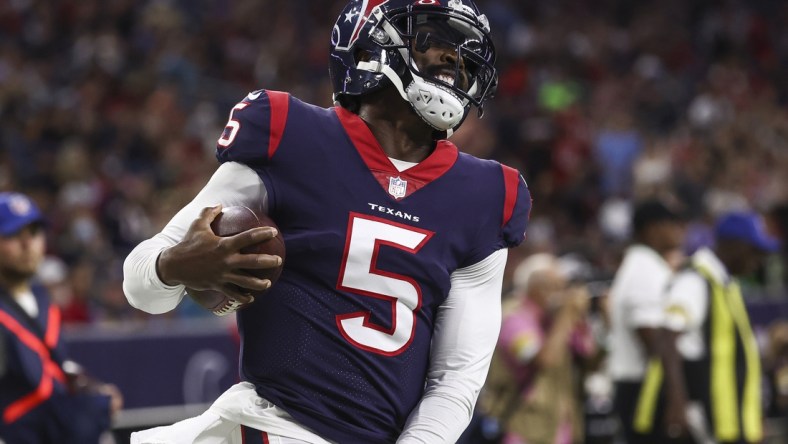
[(437, 105)]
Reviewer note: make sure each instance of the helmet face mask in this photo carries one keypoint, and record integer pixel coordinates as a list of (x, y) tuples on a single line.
[(473, 51), (394, 35)]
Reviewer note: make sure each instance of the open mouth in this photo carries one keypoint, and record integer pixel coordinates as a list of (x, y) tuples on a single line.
[(449, 77), (445, 78)]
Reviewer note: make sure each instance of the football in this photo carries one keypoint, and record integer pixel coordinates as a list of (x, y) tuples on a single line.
[(232, 221)]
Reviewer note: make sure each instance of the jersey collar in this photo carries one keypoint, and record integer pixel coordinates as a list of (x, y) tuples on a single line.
[(398, 184)]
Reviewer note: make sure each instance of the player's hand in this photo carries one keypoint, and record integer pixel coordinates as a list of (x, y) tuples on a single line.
[(205, 261)]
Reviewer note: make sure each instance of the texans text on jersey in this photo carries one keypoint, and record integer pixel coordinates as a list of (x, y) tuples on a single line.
[(393, 212)]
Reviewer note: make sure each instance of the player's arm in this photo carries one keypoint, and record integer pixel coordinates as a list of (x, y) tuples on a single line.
[(684, 311), (675, 420), (660, 345), (186, 253), (466, 330)]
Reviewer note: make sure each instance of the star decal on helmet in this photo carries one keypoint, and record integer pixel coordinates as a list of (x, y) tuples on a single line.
[(367, 7), (349, 16)]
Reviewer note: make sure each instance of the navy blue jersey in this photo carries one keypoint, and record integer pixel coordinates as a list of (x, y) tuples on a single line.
[(342, 341)]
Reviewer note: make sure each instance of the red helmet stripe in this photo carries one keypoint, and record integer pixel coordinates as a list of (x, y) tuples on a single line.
[(368, 6)]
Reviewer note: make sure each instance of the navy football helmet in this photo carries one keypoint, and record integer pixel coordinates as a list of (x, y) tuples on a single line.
[(372, 44)]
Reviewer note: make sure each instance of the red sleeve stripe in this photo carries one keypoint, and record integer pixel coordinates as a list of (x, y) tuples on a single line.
[(280, 102), (511, 181), (253, 436)]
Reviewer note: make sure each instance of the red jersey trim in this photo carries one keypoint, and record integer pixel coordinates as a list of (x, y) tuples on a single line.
[(280, 104), (253, 436), (511, 181), (434, 166)]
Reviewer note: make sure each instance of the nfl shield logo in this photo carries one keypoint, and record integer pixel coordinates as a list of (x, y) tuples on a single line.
[(397, 187)]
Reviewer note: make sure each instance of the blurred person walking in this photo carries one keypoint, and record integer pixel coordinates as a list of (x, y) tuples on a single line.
[(637, 299), (44, 398), (533, 386), (712, 331)]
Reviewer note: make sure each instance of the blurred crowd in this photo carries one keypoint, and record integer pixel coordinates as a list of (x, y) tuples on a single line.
[(110, 109)]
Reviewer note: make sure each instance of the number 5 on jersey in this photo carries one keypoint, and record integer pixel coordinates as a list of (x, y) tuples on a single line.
[(231, 130), (359, 274)]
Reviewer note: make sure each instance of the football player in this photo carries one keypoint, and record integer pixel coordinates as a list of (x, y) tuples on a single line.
[(383, 322)]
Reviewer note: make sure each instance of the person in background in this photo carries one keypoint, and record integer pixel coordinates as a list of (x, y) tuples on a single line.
[(533, 386), (778, 331), (44, 397), (776, 368), (637, 298), (711, 328)]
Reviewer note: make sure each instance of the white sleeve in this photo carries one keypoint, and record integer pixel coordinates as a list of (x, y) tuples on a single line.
[(466, 330), (686, 302), (232, 184), (645, 293), (646, 311)]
